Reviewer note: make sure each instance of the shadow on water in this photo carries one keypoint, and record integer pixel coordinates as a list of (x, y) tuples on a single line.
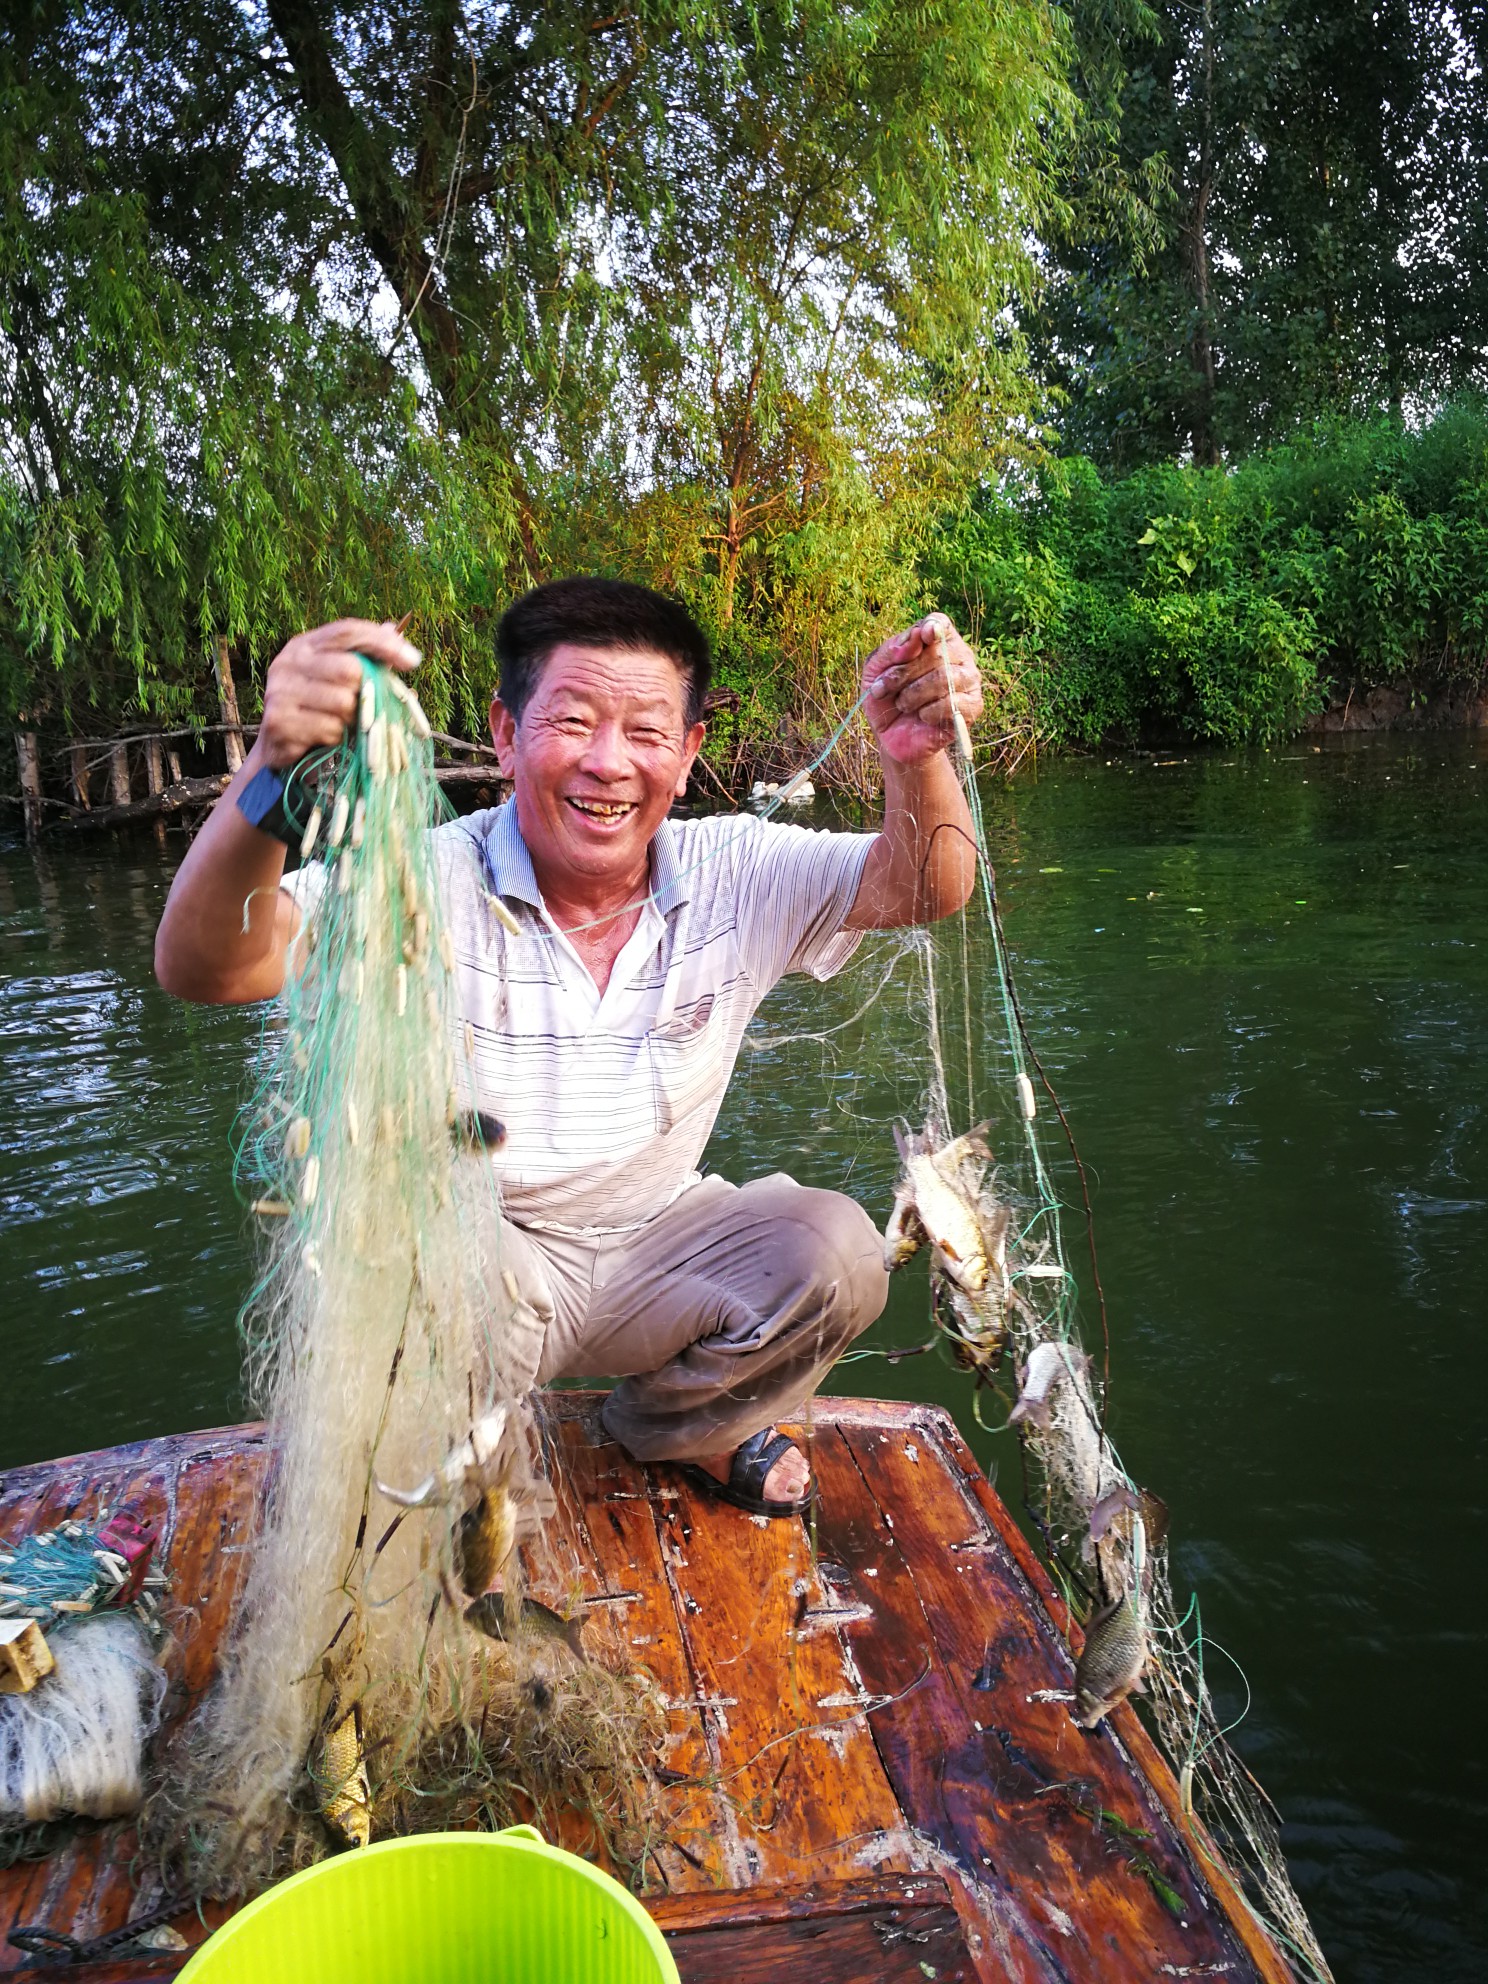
[(1260, 984)]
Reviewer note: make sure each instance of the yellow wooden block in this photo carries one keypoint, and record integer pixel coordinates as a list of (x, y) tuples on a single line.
[(25, 1657)]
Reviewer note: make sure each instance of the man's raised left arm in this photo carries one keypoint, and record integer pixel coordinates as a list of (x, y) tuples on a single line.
[(923, 864)]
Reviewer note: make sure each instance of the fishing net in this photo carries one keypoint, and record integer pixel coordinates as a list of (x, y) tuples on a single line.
[(354, 1695), (1100, 1530), (975, 1094), (354, 1687)]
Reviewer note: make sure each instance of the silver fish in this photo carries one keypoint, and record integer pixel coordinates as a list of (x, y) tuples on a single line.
[(1048, 1362), (1113, 1661), (936, 1200)]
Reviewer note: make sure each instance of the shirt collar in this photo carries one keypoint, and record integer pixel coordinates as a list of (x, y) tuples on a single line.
[(509, 865)]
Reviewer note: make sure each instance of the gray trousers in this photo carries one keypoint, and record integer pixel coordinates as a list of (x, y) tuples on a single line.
[(720, 1316)]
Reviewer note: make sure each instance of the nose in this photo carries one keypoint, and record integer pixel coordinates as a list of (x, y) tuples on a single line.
[(605, 754)]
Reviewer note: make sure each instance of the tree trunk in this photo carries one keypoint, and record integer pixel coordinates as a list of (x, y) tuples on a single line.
[(154, 765), (227, 702), (393, 226), (1196, 254), (28, 760), (119, 774), (78, 758)]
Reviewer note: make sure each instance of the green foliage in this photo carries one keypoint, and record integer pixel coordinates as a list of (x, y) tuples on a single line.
[(1227, 604), (306, 312), (1298, 230)]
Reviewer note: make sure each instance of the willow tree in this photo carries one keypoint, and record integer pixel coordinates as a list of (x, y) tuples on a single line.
[(306, 308)]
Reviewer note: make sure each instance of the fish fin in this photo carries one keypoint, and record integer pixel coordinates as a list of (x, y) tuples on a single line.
[(410, 1498), (1154, 1511), (573, 1636)]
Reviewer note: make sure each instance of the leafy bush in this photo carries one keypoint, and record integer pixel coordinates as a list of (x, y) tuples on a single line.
[(1229, 602)]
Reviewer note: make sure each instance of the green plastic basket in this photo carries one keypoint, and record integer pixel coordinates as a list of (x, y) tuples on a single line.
[(441, 1908)]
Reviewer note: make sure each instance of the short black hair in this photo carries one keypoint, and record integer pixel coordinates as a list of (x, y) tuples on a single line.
[(602, 613)]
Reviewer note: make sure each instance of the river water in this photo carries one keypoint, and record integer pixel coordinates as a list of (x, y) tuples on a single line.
[(1259, 984)]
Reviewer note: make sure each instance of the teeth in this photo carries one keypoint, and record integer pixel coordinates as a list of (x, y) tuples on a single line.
[(600, 810)]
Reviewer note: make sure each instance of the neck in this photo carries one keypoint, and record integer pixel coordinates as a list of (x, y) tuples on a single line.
[(573, 900)]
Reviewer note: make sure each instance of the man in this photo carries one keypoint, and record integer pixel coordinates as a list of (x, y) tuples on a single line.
[(607, 1025)]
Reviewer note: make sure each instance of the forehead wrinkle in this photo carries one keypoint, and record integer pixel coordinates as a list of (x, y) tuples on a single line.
[(604, 674)]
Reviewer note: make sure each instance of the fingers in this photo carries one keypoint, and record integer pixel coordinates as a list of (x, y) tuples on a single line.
[(314, 682), (915, 673), (378, 640)]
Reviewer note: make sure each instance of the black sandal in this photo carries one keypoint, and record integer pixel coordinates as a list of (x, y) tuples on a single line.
[(748, 1474)]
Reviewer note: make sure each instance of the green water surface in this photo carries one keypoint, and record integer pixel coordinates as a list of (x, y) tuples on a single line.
[(1260, 986)]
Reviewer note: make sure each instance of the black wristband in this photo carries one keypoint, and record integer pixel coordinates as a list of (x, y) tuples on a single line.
[(261, 803)]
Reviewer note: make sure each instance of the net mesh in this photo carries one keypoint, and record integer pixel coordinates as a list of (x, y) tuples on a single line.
[(377, 1340), (405, 1468), (974, 1069)]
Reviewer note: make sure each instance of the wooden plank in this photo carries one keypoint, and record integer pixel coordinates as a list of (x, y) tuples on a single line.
[(782, 1700), (606, 1532), (1124, 1726), (825, 1718), (888, 1930), (1060, 1837), (198, 1490)]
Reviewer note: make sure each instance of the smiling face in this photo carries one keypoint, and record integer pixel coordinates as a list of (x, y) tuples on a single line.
[(600, 753)]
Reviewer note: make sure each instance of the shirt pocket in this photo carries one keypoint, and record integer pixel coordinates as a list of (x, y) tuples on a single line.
[(687, 1063)]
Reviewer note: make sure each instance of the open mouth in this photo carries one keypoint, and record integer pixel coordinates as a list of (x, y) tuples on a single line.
[(606, 811)]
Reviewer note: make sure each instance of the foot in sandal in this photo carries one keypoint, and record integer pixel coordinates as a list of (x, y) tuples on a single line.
[(768, 1475)]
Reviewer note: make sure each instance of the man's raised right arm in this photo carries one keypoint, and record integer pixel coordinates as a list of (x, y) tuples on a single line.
[(227, 927)]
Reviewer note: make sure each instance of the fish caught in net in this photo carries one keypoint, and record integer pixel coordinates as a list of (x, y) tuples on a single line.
[(1004, 1299)]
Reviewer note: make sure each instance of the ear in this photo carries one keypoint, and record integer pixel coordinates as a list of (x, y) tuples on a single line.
[(504, 737), (691, 745)]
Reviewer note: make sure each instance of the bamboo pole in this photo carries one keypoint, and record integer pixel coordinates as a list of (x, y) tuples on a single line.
[(29, 761), (78, 759), (227, 702), (118, 764)]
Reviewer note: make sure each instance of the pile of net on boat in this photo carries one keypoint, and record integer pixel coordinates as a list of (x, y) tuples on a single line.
[(80, 1681), (368, 1680)]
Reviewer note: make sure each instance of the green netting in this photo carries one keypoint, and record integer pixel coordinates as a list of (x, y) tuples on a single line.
[(1104, 1538), (404, 1464)]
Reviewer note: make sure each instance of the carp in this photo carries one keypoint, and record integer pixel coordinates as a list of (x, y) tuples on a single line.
[(344, 1794), (489, 1615), (1113, 1661)]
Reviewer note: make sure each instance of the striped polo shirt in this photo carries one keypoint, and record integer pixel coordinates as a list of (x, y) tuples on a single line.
[(609, 1098)]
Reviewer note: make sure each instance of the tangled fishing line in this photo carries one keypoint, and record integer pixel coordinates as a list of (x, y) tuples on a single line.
[(356, 1693)]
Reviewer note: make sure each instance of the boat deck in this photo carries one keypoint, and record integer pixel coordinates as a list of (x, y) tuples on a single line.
[(879, 1769)]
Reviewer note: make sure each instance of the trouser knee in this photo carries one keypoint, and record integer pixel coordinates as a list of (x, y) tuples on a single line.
[(846, 1263)]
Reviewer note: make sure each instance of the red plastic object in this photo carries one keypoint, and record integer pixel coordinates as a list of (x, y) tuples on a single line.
[(134, 1541)]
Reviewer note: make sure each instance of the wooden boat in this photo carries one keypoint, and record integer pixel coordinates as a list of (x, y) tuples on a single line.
[(881, 1777)]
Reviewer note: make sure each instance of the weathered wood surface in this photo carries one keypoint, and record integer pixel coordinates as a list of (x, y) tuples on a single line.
[(827, 1725), (893, 1929)]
